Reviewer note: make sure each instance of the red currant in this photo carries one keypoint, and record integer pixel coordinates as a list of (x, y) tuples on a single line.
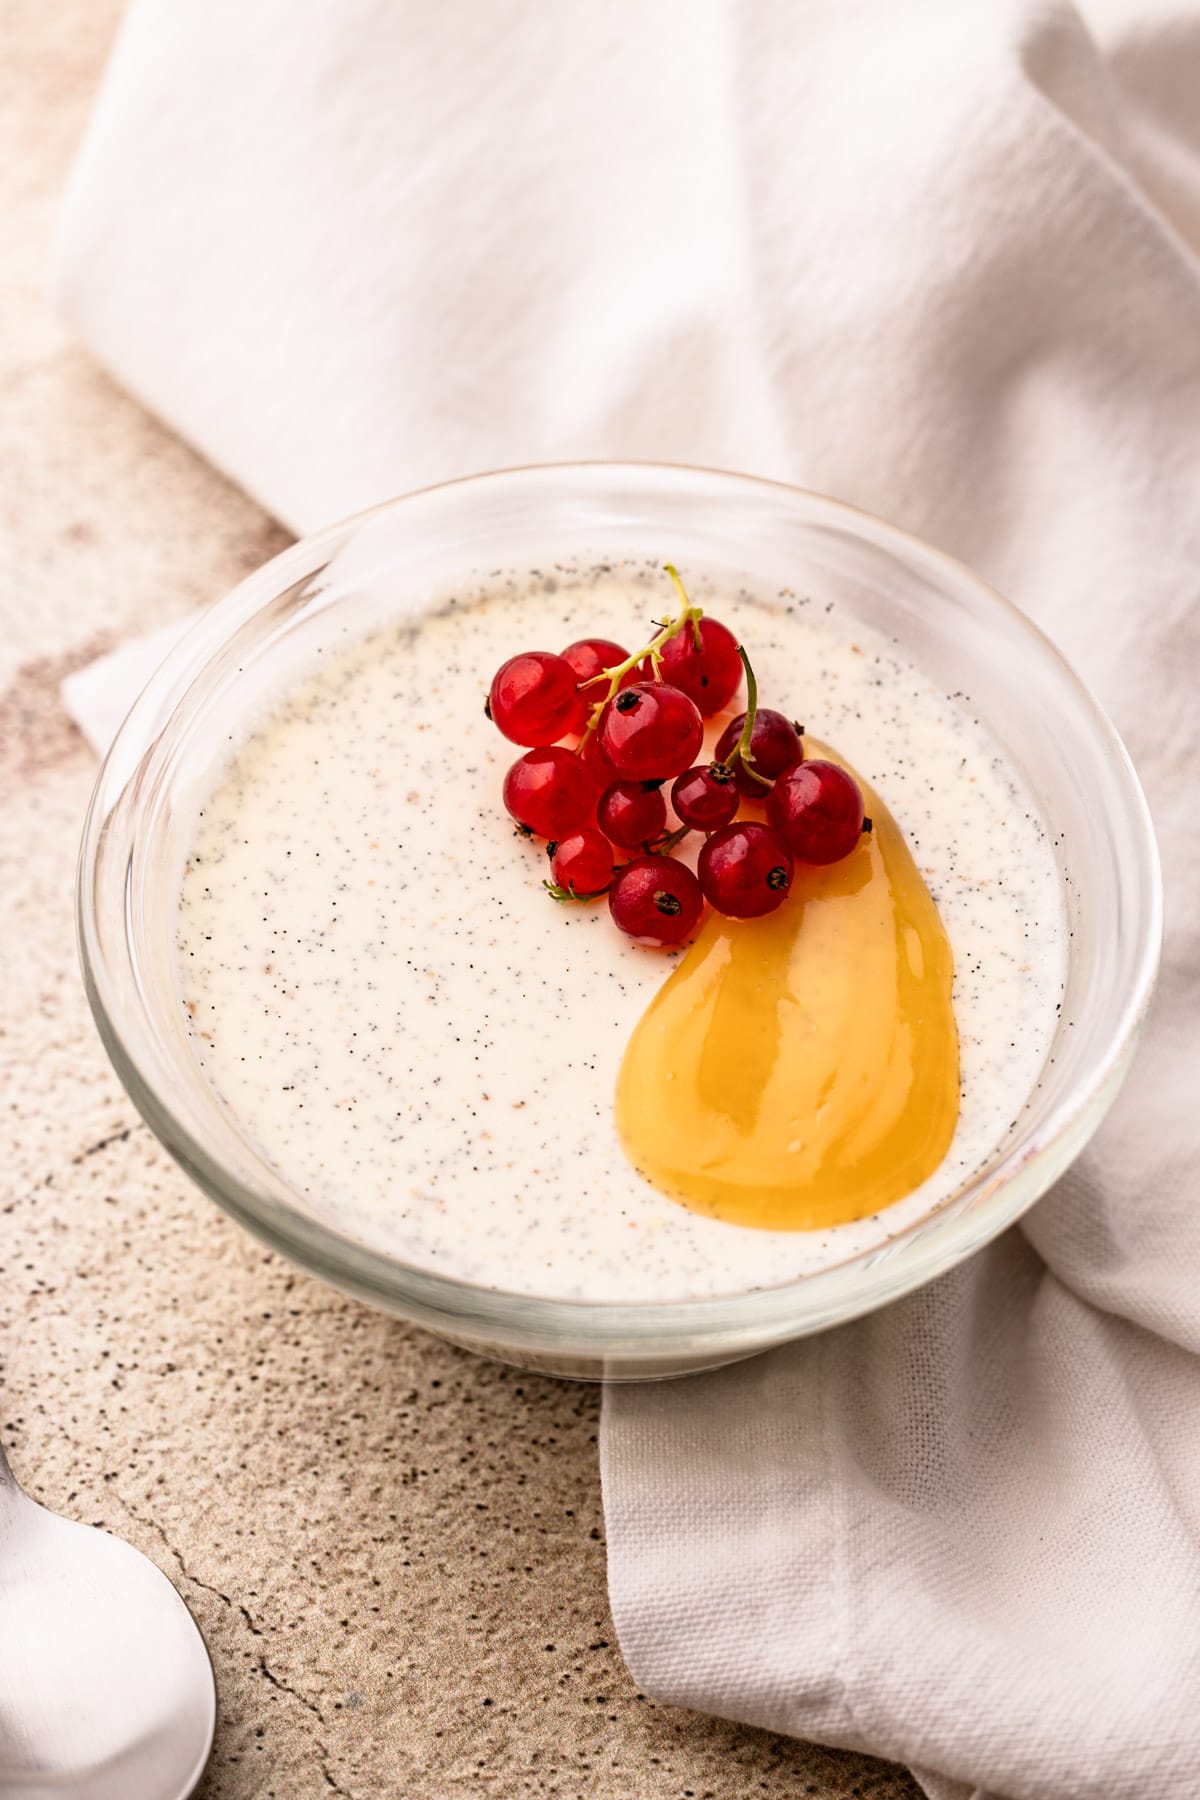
[(533, 698), (774, 744), (818, 811), (582, 863), (705, 797), (590, 657), (596, 760), (709, 672), (655, 900), (550, 792), (745, 870), (632, 813), (651, 729)]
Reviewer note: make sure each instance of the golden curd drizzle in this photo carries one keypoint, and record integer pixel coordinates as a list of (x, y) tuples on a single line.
[(801, 1070)]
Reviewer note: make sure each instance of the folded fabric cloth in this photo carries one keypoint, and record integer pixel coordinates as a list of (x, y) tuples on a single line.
[(99, 695), (941, 260)]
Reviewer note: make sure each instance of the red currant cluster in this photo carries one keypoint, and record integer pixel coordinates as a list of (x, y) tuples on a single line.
[(639, 723)]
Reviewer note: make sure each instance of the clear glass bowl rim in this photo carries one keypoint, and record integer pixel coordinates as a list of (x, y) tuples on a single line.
[(725, 1325)]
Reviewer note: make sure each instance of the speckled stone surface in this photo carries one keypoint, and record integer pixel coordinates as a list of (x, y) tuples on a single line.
[(396, 1552)]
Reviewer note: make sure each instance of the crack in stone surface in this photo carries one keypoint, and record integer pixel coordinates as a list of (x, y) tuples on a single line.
[(269, 1675), (285, 1687), (188, 1574), (322, 1749)]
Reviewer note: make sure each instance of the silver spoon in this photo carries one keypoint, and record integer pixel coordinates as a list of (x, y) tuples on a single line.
[(106, 1690)]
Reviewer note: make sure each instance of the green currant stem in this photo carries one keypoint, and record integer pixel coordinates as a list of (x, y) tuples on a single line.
[(669, 842), (690, 615), (556, 892), (696, 613), (742, 752)]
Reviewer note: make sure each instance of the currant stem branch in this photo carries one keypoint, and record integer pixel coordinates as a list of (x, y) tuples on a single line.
[(664, 845), (742, 751), (651, 652), (557, 892)]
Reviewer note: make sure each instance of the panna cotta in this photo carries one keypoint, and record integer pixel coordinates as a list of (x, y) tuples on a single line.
[(466, 1075)]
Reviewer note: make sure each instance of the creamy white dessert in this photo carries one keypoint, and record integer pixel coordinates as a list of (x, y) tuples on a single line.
[(426, 1046)]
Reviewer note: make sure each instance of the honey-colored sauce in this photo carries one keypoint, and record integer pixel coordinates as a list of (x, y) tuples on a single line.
[(801, 1070)]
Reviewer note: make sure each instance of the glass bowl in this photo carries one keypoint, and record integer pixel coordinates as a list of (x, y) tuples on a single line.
[(735, 530)]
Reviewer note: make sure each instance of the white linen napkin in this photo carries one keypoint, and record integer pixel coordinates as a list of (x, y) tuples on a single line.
[(939, 259)]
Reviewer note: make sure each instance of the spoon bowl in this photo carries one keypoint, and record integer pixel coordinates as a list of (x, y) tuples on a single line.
[(106, 1688)]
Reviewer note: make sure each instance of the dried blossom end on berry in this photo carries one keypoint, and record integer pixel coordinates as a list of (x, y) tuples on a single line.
[(745, 870), (651, 731), (656, 901), (704, 798)]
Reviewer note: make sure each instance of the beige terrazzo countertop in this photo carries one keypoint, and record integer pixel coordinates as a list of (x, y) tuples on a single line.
[(396, 1552)]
